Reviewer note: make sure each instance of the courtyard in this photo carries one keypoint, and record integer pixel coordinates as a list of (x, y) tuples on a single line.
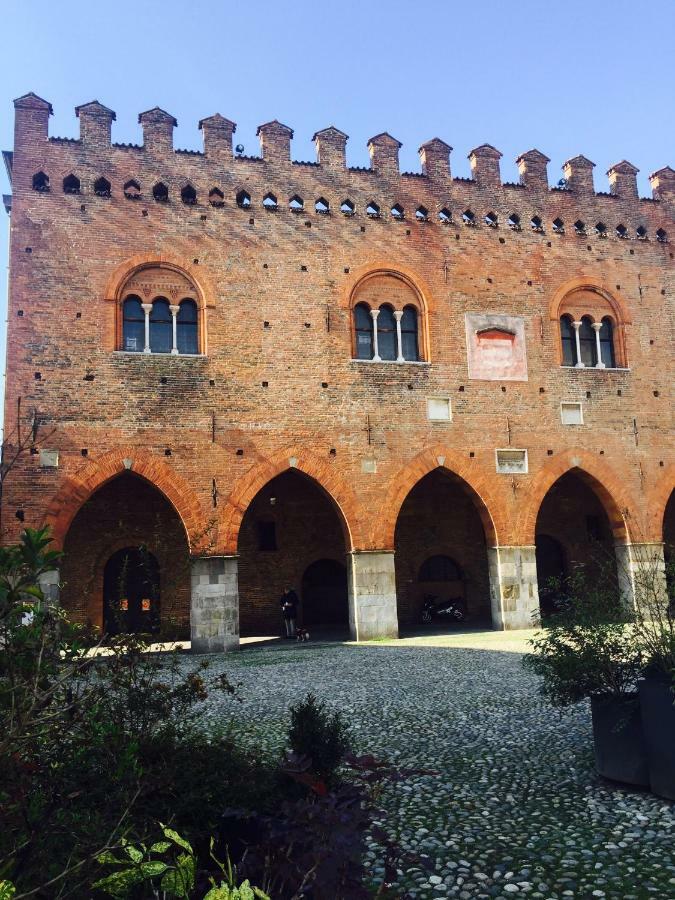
[(515, 807)]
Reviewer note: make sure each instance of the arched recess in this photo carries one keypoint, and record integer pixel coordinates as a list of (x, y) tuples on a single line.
[(479, 485), (322, 472), (77, 488), (657, 502), (605, 484), (586, 295), (182, 270), (418, 295)]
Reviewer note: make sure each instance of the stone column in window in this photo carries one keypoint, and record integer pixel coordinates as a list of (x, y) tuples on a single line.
[(174, 329), (376, 352), (398, 315), (578, 364), (147, 309), (598, 352)]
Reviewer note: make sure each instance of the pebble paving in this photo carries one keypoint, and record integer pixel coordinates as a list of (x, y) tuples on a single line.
[(516, 807)]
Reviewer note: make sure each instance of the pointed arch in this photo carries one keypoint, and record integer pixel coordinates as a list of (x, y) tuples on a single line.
[(321, 472), (479, 485), (605, 484), (657, 501), (79, 487)]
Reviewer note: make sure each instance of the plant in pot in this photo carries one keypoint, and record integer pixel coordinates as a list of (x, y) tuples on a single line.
[(655, 631), (589, 650)]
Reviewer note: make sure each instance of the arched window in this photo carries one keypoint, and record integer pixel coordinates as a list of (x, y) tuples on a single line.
[(216, 197), (71, 184), (186, 327), (133, 325), (41, 182), (386, 333), (409, 342), (102, 187), (607, 343), (161, 327), (439, 568), (160, 192), (132, 190), (243, 199), (589, 355), (188, 195), (569, 346), (363, 327)]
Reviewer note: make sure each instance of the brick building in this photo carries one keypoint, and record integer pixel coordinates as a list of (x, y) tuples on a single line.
[(236, 374)]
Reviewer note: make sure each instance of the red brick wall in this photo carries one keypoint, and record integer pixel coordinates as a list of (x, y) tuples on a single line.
[(298, 273)]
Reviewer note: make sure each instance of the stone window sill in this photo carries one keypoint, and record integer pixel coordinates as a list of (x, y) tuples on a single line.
[(391, 362), (593, 369), (138, 354)]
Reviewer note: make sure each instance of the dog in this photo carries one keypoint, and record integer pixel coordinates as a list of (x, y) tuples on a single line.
[(301, 634)]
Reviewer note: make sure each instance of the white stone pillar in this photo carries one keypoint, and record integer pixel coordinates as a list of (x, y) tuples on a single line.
[(641, 573), (174, 328), (376, 350), (514, 594), (214, 607), (398, 315), (147, 309), (598, 352), (579, 364), (50, 586), (372, 595)]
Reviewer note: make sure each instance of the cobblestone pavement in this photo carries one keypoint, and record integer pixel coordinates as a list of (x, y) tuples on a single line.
[(516, 807)]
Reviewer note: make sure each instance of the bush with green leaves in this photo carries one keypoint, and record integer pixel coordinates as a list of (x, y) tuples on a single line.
[(318, 735)]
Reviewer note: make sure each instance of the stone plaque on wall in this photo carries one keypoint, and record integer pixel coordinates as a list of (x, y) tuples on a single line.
[(496, 347)]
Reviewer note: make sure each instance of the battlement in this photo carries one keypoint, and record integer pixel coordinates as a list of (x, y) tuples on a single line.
[(434, 178)]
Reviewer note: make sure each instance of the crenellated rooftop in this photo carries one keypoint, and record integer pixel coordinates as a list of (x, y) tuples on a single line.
[(95, 119)]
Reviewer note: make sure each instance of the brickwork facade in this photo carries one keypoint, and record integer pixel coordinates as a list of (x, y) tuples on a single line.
[(275, 386)]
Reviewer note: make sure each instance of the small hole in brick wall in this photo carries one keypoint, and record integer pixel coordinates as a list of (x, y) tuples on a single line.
[(78, 315), (167, 452), (656, 393), (29, 249), (240, 452), (303, 268), (203, 218), (411, 387), (265, 383), (671, 256), (212, 382), (489, 281), (407, 231), (163, 379), (363, 228), (503, 389), (588, 395), (542, 390), (82, 207), (265, 266), (548, 243), (324, 384), (20, 515), (632, 252), (195, 261), (144, 213), (529, 284), (461, 388), (661, 463), (471, 454), (308, 224), (89, 376), (266, 324), (34, 451), (502, 240), (618, 287), (308, 324), (588, 247), (20, 313), (38, 376), (663, 292), (346, 270), (549, 452), (332, 451), (456, 237), (251, 221), (84, 451), (618, 393), (651, 342)]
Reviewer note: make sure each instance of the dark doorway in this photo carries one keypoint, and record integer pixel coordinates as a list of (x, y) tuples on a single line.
[(131, 592), (551, 571), (324, 594)]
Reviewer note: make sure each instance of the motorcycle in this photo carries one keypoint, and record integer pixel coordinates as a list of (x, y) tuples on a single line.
[(435, 608)]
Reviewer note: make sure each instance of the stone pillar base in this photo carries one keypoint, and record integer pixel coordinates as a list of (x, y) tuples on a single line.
[(50, 586), (372, 595), (641, 573), (214, 609), (514, 595)]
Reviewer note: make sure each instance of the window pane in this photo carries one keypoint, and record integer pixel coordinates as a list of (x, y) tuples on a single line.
[(607, 344), (386, 333), (587, 341), (186, 337), (161, 329), (410, 348), (133, 325), (569, 349), (363, 324)]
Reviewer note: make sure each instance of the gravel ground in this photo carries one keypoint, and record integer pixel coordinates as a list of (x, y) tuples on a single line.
[(516, 808)]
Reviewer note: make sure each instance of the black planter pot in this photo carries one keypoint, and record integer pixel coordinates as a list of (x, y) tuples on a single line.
[(618, 739), (658, 718)]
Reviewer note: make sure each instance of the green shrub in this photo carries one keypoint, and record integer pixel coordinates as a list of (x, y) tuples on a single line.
[(319, 736)]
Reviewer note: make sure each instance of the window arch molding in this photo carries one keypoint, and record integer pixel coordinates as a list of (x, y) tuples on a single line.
[(586, 298), (416, 296), (154, 278)]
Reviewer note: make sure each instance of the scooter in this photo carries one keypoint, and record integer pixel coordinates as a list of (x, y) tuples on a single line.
[(435, 608)]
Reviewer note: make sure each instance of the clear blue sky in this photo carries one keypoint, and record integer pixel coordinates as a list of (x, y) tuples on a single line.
[(576, 77)]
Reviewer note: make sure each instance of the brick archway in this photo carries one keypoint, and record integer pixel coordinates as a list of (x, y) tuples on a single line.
[(606, 485), (77, 489), (489, 507), (321, 472), (657, 501)]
